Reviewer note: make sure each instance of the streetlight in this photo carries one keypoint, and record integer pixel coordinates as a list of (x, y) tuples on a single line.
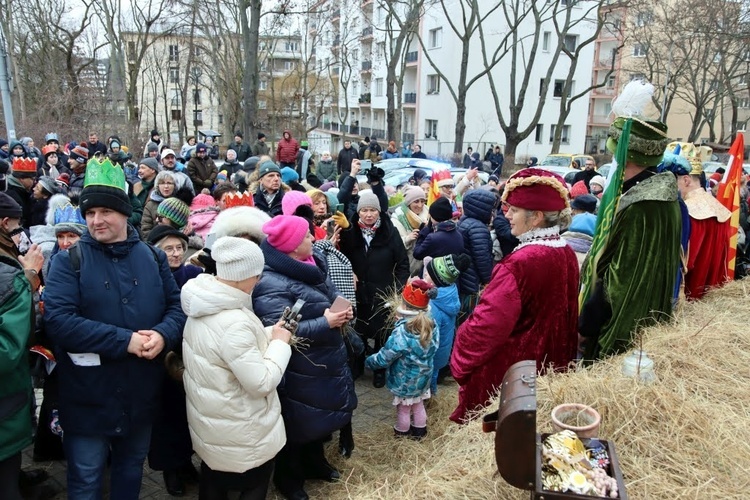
[(5, 88)]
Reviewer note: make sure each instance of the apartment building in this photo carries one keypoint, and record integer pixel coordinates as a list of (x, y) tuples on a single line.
[(428, 111)]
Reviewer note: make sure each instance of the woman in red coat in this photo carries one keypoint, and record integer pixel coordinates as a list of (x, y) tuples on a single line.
[(529, 309)]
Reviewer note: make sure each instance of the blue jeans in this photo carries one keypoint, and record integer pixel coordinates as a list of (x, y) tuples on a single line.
[(87, 457)]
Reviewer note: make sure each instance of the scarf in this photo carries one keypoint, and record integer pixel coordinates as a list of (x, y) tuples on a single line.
[(369, 231), (545, 236), (412, 218)]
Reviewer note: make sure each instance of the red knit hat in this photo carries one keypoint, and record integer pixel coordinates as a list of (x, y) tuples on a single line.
[(536, 189), (578, 189)]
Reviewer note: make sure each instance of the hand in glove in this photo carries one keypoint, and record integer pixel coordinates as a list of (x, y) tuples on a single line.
[(375, 175), (340, 219)]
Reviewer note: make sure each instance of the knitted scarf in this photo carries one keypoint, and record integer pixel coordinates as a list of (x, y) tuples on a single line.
[(408, 218)]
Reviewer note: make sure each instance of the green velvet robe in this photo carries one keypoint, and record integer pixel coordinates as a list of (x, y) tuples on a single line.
[(638, 269)]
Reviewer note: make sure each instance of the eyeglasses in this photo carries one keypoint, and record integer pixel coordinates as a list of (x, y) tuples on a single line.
[(590, 165), (168, 183), (173, 249)]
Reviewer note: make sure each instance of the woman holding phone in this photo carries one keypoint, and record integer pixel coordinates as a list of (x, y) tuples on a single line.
[(317, 393)]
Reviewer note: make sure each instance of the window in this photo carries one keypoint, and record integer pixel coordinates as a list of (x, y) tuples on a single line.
[(570, 42), (291, 46), (433, 84), (261, 104), (198, 117), (196, 51), (637, 76), (611, 82), (545, 41), (743, 103), (564, 137), (174, 53), (381, 49), (197, 96), (642, 19), (539, 133), (176, 115), (263, 85), (435, 39), (221, 119), (264, 66), (131, 51), (288, 65), (176, 95), (431, 129), (174, 75), (541, 86), (559, 86), (378, 86), (639, 50), (552, 133)]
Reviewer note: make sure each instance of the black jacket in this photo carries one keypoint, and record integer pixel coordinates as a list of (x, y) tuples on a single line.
[(444, 240), (317, 391), (344, 161), (23, 198), (242, 149), (585, 176), (261, 204), (505, 238), (478, 206)]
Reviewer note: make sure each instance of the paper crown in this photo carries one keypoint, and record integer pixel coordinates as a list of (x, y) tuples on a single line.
[(68, 214), (104, 173), (694, 153), (442, 178), (49, 149), (415, 294), (239, 200), (24, 167)]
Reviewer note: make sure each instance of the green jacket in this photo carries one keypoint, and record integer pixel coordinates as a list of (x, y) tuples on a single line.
[(16, 310)]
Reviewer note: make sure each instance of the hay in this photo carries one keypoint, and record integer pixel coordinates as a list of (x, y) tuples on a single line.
[(685, 436)]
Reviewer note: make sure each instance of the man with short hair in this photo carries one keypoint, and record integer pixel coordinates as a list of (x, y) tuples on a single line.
[(240, 147), (260, 148), (468, 157), (588, 173), (169, 161), (496, 160), (112, 307), (147, 170), (417, 152), (201, 169), (96, 147), (346, 155), (269, 194)]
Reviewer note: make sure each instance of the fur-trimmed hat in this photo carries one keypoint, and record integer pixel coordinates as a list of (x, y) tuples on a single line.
[(536, 189), (243, 222)]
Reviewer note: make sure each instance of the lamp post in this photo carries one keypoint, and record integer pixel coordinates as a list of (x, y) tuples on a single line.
[(5, 88)]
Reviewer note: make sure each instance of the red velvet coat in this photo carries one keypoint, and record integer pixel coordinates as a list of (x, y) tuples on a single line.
[(529, 310)]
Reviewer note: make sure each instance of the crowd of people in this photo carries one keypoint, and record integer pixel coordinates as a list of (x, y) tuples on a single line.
[(174, 308)]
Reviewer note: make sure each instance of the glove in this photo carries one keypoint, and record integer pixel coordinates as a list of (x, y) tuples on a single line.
[(375, 174), (340, 220)]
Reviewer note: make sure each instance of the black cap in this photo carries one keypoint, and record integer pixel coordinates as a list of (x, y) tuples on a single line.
[(261, 135), (161, 231), (105, 196), (9, 207), (441, 209), (585, 202)]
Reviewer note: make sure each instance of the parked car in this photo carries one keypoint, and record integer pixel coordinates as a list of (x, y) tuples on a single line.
[(393, 164), (401, 176), (565, 172), (565, 160)]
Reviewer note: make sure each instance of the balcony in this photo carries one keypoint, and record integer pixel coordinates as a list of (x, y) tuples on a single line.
[(366, 66), (336, 71), (603, 120), (365, 99), (605, 63), (336, 16), (603, 92), (365, 131), (367, 33), (410, 98), (411, 58), (376, 132), (354, 129)]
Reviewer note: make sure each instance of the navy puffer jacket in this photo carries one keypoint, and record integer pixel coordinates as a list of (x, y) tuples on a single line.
[(478, 206), (317, 391)]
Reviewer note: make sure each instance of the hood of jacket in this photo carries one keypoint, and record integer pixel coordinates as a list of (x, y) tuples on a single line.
[(478, 204), (447, 300), (204, 295)]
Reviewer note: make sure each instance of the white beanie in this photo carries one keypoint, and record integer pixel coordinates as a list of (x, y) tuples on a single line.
[(599, 180), (368, 199), (237, 259)]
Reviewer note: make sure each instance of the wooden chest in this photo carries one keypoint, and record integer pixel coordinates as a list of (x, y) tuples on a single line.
[(518, 447)]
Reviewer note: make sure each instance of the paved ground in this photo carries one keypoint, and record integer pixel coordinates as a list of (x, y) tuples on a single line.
[(374, 405)]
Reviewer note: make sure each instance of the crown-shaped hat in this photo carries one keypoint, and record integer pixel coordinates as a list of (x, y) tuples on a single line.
[(49, 149), (24, 167), (104, 173), (415, 294), (239, 200), (68, 214)]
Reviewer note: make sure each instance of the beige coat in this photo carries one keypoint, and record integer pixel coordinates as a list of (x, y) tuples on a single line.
[(232, 369)]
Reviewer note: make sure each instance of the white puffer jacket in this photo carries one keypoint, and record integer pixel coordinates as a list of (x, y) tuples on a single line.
[(232, 369)]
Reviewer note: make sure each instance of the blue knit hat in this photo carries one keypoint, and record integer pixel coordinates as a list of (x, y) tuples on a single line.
[(583, 223), (288, 174)]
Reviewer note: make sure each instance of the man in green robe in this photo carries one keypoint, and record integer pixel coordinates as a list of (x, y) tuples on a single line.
[(637, 270)]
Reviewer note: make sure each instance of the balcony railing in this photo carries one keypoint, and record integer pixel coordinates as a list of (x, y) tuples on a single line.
[(601, 119), (379, 133), (411, 57), (410, 98), (605, 91), (354, 129), (366, 65), (365, 131)]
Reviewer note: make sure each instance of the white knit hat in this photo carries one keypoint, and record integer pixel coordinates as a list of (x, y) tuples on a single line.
[(368, 199), (237, 259)]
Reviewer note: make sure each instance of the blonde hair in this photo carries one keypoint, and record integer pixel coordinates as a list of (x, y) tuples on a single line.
[(423, 326)]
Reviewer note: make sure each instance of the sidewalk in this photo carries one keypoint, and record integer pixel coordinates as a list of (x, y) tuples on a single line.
[(374, 406)]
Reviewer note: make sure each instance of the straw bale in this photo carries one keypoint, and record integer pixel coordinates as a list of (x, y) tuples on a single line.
[(685, 436)]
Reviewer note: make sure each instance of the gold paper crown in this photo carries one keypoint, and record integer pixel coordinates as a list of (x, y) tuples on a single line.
[(104, 173)]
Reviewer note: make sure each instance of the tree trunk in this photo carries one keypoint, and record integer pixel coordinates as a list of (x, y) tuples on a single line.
[(460, 130), (250, 34)]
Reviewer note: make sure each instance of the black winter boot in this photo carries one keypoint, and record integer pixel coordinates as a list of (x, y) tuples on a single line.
[(417, 433)]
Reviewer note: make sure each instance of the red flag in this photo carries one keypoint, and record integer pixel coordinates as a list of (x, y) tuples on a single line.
[(437, 176), (728, 195)]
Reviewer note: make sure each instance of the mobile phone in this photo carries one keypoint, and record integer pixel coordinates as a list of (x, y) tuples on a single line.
[(340, 208), (366, 165), (340, 304)]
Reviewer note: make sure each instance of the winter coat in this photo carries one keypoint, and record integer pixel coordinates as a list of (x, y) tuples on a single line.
[(16, 310), (408, 364), (362, 148), (505, 238), (345, 196), (387, 154), (231, 167), (443, 240), (232, 369), (286, 150), (274, 209), (478, 205), (96, 147), (326, 171), (142, 190), (202, 172), (202, 220), (344, 161), (580, 243), (39, 211), (242, 149), (22, 196), (401, 223), (260, 148), (444, 310), (148, 221), (121, 288), (379, 267), (317, 393)]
